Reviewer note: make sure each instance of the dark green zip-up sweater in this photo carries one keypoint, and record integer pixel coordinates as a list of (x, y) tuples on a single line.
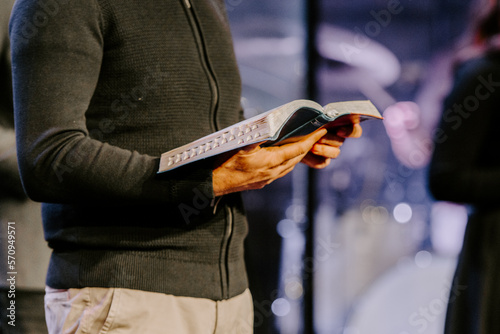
[(101, 89)]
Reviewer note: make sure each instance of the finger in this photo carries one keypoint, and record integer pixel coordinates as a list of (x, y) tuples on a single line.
[(343, 131), (351, 131), (296, 149), (315, 161), (331, 139), (327, 151), (314, 136), (357, 131)]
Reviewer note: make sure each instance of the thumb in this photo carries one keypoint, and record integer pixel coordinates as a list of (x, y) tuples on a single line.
[(315, 136)]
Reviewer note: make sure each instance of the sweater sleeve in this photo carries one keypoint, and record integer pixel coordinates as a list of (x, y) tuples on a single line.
[(57, 53), (465, 166)]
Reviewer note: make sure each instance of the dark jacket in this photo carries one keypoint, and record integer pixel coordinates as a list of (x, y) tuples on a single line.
[(465, 168), (101, 89)]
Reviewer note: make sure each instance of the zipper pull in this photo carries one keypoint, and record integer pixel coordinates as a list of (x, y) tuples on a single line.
[(215, 202), (188, 4)]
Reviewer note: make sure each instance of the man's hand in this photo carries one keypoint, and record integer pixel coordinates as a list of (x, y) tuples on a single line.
[(328, 147), (253, 167)]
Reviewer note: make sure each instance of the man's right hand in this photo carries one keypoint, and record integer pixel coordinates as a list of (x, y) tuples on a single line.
[(253, 167)]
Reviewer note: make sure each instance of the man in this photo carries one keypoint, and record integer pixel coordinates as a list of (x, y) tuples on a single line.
[(101, 89)]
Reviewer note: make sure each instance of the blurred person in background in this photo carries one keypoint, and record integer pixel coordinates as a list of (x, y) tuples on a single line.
[(465, 168), (31, 254)]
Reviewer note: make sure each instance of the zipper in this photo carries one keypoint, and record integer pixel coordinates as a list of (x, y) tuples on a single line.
[(205, 62), (224, 250), (224, 258)]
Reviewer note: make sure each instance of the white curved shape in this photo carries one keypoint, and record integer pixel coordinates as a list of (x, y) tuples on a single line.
[(363, 57)]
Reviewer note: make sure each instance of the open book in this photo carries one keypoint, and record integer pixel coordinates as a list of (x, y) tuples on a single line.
[(273, 127)]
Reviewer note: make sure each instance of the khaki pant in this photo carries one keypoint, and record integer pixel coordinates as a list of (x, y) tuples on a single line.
[(125, 311)]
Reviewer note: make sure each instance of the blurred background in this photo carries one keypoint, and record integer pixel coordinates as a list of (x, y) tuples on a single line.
[(360, 247)]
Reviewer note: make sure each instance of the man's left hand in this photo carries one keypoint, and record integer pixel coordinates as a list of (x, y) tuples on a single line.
[(328, 147)]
